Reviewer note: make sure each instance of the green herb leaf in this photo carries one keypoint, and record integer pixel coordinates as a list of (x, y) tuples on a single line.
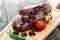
[(33, 28), (14, 36)]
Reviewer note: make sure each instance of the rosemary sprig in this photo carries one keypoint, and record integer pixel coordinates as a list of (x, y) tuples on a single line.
[(14, 36)]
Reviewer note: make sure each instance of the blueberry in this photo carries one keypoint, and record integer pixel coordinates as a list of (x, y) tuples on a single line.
[(31, 33), (24, 34)]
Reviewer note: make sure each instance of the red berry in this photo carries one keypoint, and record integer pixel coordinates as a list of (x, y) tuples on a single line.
[(36, 9), (23, 12)]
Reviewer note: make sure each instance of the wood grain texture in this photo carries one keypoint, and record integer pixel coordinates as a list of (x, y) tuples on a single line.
[(53, 3), (39, 35)]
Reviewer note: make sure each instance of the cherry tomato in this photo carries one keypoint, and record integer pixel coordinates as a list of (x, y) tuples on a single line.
[(40, 25)]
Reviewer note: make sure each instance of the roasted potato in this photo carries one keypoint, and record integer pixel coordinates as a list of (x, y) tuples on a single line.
[(48, 17)]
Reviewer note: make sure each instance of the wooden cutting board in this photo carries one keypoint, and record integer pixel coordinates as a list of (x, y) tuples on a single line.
[(39, 35)]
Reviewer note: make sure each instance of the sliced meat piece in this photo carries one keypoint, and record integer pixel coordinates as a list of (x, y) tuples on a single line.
[(47, 8), (41, 15)]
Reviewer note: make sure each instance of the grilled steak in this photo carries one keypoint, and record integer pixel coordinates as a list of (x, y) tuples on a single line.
[(28, 17)]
